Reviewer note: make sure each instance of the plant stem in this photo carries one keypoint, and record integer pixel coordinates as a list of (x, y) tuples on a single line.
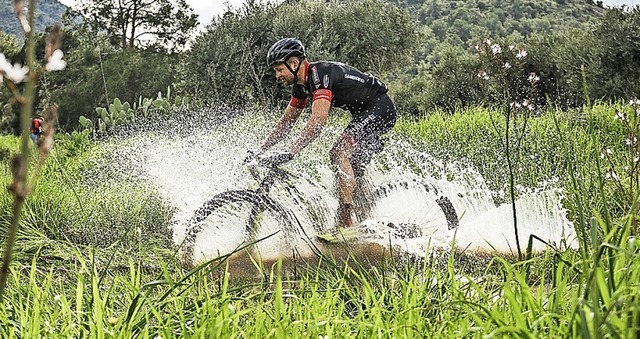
[(20, 163), (512, 181)]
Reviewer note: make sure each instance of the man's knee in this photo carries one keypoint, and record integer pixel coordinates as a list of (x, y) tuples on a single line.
[(335, 154), (342, 149), (368, 149)]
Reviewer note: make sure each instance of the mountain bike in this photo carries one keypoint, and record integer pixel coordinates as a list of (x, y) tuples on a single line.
[(256, 214)]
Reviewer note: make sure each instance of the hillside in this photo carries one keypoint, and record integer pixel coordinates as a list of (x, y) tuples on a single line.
[(464, 23), (48, 12)]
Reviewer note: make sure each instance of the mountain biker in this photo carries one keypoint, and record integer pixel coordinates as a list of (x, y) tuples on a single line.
[(36, 128), (331, 84)]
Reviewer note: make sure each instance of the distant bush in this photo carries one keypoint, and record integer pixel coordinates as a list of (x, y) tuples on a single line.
[(101, 73), (575, 67)]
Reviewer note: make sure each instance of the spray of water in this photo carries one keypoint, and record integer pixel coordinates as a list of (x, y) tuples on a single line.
[(191, 161)]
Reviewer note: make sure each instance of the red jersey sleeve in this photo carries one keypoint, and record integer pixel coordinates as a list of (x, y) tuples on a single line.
[(297, 102), (322, 94)]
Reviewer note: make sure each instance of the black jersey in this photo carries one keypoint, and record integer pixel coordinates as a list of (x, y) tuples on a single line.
[(345, 86)]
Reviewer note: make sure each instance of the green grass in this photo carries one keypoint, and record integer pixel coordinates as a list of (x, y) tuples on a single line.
[(92, 261), (406, 301)]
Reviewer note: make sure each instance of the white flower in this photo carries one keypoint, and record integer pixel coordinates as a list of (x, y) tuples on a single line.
[(4, 64), (533, 78), (527, 104), (608, 151), (483, 75), (634, 101), (55, 62), (515, 105), (521, 54), (496, 49), (511, 47), (611, 174), (506, 65), (632, 140), (16, 73), (25, 23), (620, 116)]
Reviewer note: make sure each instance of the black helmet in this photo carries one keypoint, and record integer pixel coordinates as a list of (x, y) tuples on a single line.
[(284, 49)]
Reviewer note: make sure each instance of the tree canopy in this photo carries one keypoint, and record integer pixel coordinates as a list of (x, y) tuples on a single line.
[(131, 23)]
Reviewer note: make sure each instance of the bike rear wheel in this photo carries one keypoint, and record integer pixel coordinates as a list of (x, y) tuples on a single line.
[(233, 218), (413, 208)]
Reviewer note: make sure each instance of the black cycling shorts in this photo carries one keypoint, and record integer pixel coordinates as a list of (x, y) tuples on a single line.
[(373, 121), (367, 127)]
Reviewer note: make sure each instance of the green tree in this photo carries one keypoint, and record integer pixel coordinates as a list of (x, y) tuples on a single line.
[(10, 47), (227, 63), (99, 72), (618, 33), (131, 23), (450, 84), (561, 59)]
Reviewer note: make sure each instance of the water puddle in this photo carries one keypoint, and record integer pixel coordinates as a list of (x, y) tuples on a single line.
[(191, 168)]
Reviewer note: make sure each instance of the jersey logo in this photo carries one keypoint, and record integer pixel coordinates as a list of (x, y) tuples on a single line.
[(325, 81), (353, 77), (315, 77)]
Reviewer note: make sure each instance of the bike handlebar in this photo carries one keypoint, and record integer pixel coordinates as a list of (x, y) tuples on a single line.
[(268, 161)]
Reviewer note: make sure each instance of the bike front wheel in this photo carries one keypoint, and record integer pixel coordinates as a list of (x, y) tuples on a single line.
[(235, 218)]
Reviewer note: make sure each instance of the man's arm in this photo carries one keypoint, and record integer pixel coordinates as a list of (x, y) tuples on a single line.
[(282, 127), (319, 115)]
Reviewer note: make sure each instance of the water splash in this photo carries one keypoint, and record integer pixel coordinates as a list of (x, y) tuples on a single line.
[(190, 165)]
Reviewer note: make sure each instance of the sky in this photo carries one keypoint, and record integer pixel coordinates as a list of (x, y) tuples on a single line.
[(207, 9), (621, 2)]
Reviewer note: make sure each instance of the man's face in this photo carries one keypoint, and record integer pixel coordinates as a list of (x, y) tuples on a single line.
[(283, 74)]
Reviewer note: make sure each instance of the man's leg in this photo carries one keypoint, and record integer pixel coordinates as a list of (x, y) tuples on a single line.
[(362, 137), (340, 154)]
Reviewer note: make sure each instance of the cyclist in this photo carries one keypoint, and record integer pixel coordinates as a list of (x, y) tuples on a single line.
[(36, 128), (331, 84)]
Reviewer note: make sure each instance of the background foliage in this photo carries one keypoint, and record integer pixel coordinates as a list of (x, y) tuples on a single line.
[(49, 11), (424, 49)]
